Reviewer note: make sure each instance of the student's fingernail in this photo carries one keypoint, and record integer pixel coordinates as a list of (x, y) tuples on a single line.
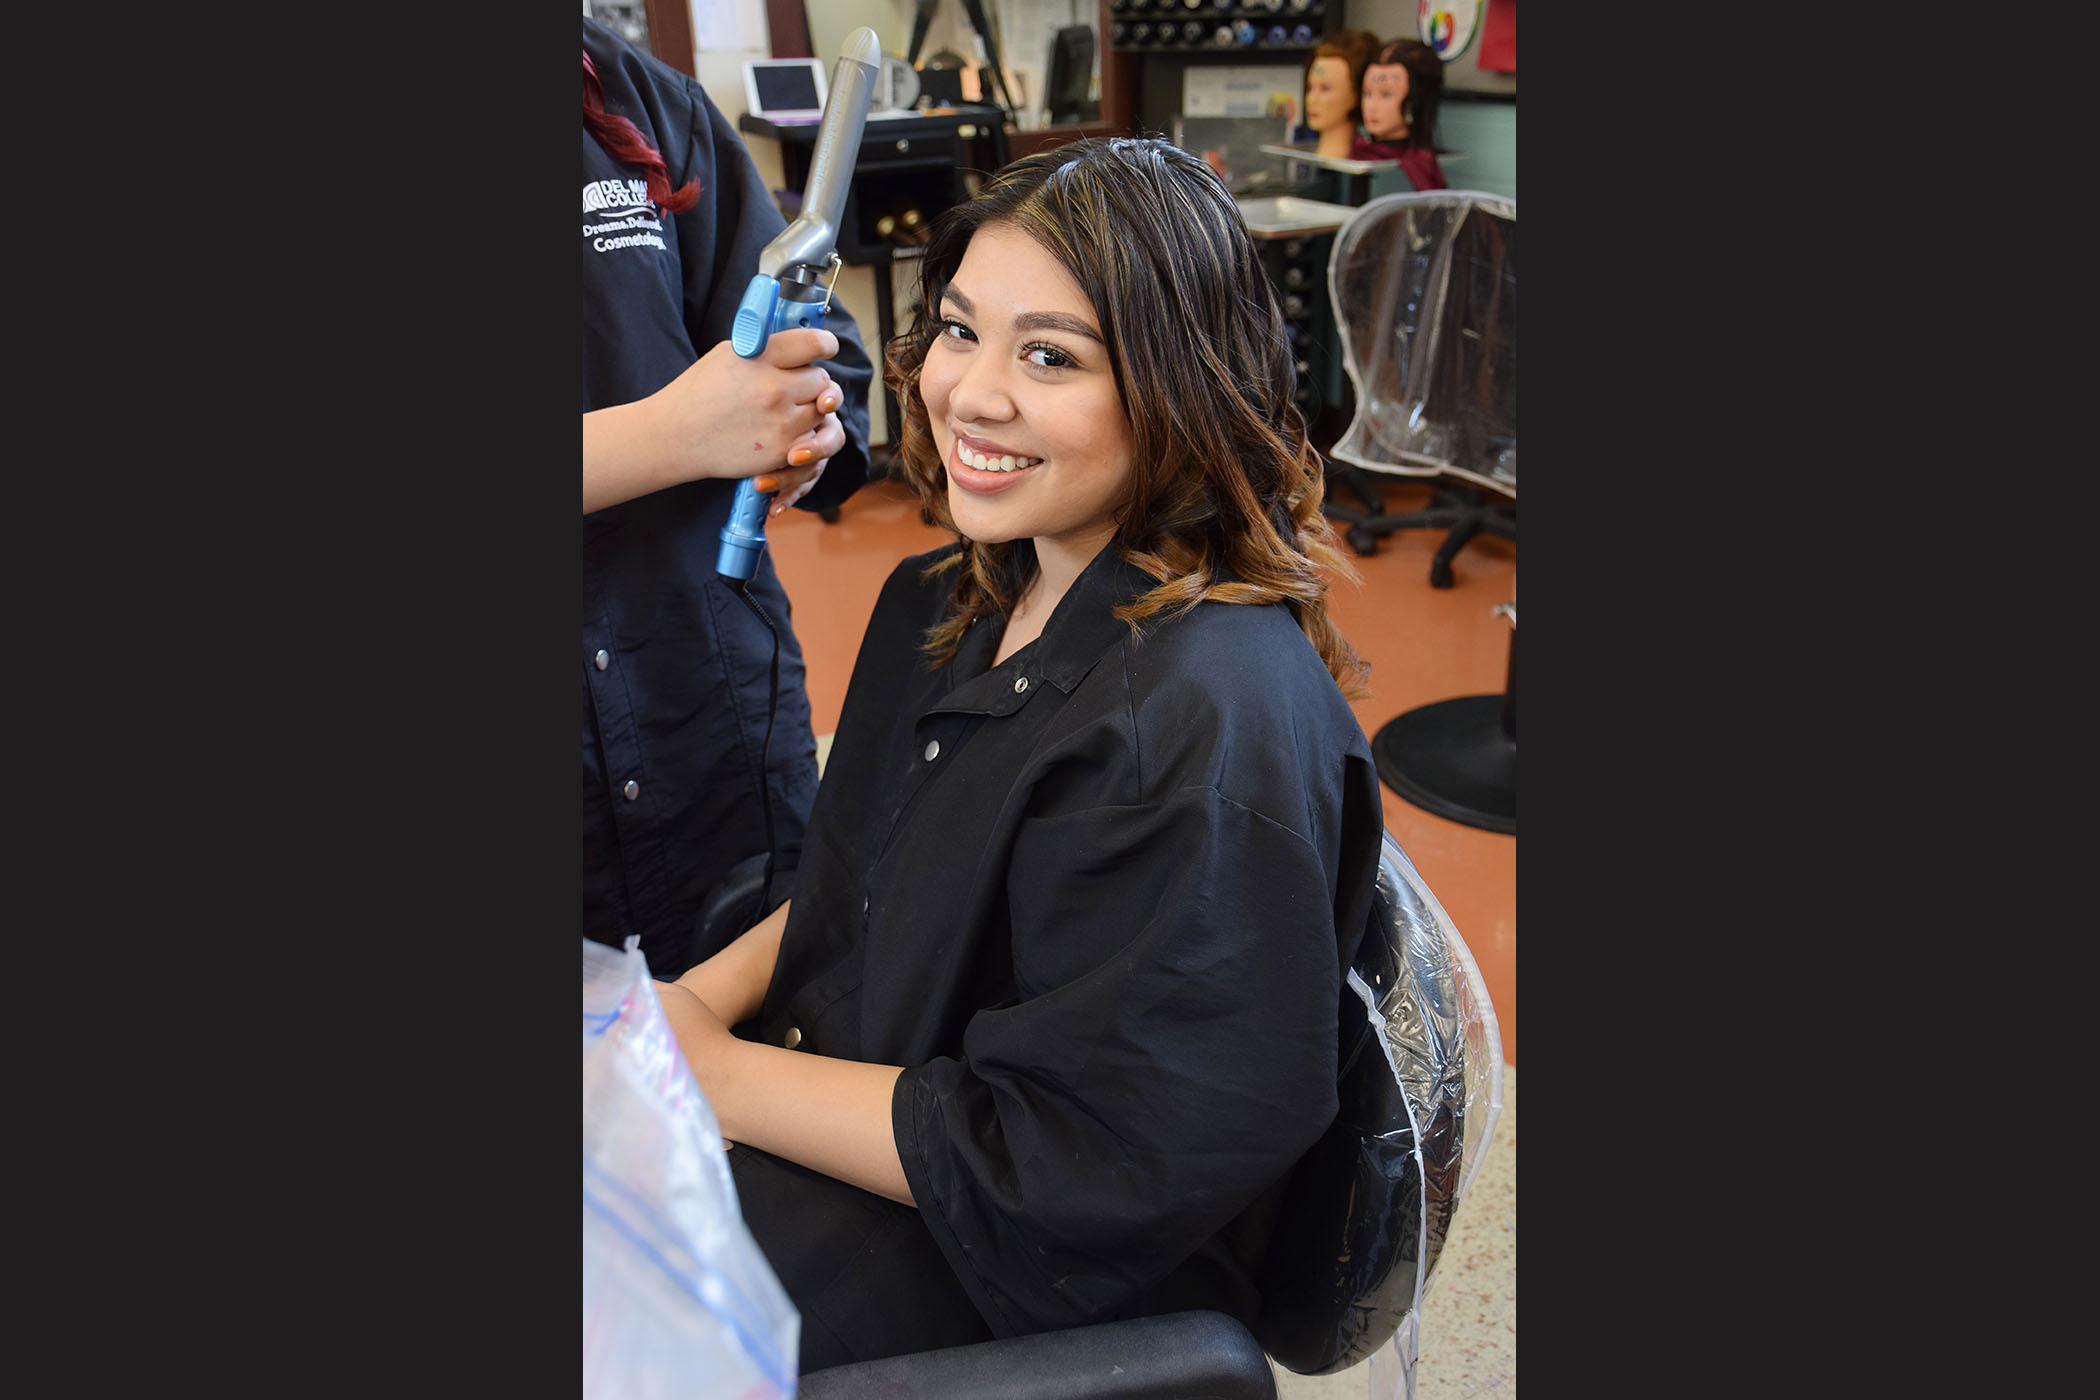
[(801, 457), (828, 403), (767, 483), (779, 509)]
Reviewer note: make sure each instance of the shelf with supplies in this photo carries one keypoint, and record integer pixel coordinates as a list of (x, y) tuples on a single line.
[(1174, 43), (1218, 26)]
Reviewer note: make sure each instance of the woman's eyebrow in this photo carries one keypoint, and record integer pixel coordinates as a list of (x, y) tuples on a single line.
[(1056, 321), (1028, 320)]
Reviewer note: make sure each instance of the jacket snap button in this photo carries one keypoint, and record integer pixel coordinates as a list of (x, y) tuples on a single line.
[(792, 1038), (933, 750)]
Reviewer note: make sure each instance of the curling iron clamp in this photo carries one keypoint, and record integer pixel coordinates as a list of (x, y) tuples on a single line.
[(796, 271)]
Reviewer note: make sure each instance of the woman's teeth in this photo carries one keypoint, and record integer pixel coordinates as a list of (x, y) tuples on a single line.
[(985, 463)]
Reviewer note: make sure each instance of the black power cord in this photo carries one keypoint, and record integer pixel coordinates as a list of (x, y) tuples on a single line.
[(765, 753)]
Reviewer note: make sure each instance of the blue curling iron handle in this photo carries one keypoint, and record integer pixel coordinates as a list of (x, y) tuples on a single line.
[(763, 311), (801, 251)]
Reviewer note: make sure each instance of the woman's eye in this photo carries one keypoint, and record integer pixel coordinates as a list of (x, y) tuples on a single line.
[(955, 329), (1049, 357)]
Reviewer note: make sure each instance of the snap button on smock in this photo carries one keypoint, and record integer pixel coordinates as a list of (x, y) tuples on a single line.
[(1020, 684), (792, 1038), (933, 750), (602, 659), (633, 789)]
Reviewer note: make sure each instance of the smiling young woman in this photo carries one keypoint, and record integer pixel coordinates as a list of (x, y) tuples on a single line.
[(1022, 402), (1054, 1010)]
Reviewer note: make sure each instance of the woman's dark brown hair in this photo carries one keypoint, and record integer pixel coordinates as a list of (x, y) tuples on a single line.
[(1224, 495)]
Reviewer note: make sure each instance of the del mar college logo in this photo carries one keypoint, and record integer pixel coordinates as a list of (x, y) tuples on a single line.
[(618, 214)]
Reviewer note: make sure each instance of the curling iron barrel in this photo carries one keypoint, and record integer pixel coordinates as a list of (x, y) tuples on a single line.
[(791, 287)]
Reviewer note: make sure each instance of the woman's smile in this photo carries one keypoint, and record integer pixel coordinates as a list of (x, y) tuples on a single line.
[(987, 469)]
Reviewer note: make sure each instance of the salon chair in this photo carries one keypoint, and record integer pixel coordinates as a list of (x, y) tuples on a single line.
[(1424, 286), (1366, 1214), (1458, 757)]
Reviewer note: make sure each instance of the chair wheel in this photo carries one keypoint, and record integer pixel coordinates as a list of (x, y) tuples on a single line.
[(1363, 541), (1439, 574)]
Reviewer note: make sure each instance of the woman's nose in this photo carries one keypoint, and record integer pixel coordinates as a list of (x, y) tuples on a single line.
[(980, 392)]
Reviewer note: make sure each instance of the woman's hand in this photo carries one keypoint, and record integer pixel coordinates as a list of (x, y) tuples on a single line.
[(725, 417), (832, 1116), (708, 1044)]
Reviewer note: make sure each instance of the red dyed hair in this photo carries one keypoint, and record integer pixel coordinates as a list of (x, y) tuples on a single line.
[(624, 142)]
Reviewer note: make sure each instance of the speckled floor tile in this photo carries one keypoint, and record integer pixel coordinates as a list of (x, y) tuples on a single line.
[(1469, 1316)]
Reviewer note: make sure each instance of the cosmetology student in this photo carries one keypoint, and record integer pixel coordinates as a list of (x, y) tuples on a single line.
[(1054, 1009), (1402, 85), (676, 668)]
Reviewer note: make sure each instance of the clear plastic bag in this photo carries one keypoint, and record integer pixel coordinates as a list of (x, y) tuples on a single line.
[(677, 1299)]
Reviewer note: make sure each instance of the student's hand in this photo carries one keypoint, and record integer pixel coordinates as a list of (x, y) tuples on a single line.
[(807, 458), (730, 417), (725, 417)]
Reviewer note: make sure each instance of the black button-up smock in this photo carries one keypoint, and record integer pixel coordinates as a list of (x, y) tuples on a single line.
[(1097, 900), (676, 670)]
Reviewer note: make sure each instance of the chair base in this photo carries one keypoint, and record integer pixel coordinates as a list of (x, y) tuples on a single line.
[(1464, 511), (1453, 758)]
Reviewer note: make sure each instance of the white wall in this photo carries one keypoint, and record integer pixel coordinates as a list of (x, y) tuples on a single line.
[(725, 33)]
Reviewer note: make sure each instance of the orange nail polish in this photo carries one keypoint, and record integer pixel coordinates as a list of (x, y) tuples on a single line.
[(827, 403), (800, 457), (767, 483)]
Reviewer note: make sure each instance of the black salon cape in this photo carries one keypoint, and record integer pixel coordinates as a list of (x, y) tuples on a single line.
[(1098, 901), (680, 707)]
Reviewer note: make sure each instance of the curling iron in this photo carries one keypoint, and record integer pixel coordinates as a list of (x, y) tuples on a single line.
[(787, 290)]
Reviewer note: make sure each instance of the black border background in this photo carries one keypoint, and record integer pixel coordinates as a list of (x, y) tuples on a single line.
[(399, 868)]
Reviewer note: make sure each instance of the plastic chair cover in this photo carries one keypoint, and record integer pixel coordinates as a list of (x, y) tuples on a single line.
[(1424, 286), (1439, 1030), (677, 1299), (1373, 1201)]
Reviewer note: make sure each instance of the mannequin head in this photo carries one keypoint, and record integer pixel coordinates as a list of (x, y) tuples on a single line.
[(1400, 88), (1333, 80)]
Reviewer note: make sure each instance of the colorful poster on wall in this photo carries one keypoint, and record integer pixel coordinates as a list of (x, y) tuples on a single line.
[(1447, 26), (1498, 37)]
